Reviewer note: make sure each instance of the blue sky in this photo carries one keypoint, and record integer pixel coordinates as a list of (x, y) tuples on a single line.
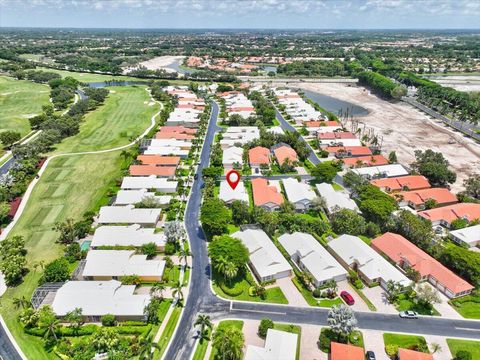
[(280, 14)]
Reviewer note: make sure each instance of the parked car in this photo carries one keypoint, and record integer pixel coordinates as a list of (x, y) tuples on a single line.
[(347, 298), (408, 314), (370, 355), (195, 176)]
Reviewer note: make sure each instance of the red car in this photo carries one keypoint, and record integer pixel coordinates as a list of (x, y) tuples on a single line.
[(347, 298)]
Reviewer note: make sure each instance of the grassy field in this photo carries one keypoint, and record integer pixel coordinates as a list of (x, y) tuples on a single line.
[(19, 100), (125, 114), (168, 331), (468, 306), (69, 187), (473, 347), (405, 341)]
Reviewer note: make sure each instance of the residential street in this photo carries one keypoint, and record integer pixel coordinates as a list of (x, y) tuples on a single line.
[(202, 300)]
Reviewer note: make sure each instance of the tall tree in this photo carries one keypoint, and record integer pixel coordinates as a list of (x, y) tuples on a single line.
[(229, 342), (341, 320)]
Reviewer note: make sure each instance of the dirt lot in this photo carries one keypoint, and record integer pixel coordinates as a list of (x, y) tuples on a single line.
[(405, 129)]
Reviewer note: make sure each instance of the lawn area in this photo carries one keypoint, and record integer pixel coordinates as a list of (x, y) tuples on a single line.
[(327, 336), (337, 187), (473, 347), (294, 329), (311, 300), (411, 342), (226, 324), (70, 186), (468, 306), (19, 100), (124, 115), (241, 286), (201, 348), (365, 239), (404, 303), (172, 276), (168, 332)]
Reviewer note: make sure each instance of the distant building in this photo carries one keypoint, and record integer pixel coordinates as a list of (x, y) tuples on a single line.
[(311, 257), (469, 236), (229, 195), (407, 255), (446, 214), (278, 345), (335, 200), (128, 215), (299, 194), (266, 261), (98, 298), (353, 253), (116, 264), (266, 196), (132, 235)]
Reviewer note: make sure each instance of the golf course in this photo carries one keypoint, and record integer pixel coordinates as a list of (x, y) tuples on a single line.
[(20, 100)]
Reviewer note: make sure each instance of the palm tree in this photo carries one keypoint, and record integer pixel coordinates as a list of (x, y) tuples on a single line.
[(231, 270), (157, 290), (435, 348), (21, 303), (146, 344), (184, 254), (177, 292), (220, 265), (204, 335), (204, 322)]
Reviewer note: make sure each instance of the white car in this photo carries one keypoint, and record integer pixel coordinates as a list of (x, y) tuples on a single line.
[(408, 315)]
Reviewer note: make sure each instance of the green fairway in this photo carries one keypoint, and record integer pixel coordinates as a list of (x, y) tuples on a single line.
[(19, 100), (125, 115), (89, 77), (69, 187), (473, 347)]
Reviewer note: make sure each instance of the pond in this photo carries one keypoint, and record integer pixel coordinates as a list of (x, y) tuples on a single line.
[(335, 105)]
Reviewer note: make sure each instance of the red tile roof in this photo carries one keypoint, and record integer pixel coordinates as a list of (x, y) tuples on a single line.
[(321, 123), (264, 194), (350, 150), (452, 212), (336, 135), (399, 249), (345, 352), (159, 160), (259, 155), (365, 161), (147, 170), (405, 354), (283, 153), (177, 129), (410, 182), (240, 108), (418, 197), (173, 135)]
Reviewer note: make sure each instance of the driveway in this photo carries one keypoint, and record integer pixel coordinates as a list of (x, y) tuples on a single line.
[(373, 341), (250, 330), (294, 297), (378, 297), (444, 353), (359, 305), (309, 343)]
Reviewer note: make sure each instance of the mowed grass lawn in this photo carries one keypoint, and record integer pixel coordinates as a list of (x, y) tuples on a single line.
[(70, 186), (473, 347), (126, 113), (19, 100)]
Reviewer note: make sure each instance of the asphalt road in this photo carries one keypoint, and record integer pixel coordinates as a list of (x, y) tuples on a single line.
[(7, 350), (202, 300), (287, 126), (6, 166)]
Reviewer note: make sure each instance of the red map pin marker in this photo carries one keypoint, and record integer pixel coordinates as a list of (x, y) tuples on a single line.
[(233, 178)]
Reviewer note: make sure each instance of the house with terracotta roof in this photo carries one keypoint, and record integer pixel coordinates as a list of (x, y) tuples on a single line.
[(416, 199), (406, 354), (158, 160), (265, 195), (445, 215), (258, 156), (341, 152), (361, 161), (147, 170), (177, 129), (402, 183), (406, 255), (285, 153), (340, 351)]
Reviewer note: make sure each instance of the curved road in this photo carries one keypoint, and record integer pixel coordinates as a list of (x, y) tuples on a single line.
[(201, 299)]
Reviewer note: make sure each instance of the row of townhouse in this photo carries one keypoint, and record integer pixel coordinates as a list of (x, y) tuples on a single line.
[(236, 103), (189, 107), (296, 108), (122, 225)]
